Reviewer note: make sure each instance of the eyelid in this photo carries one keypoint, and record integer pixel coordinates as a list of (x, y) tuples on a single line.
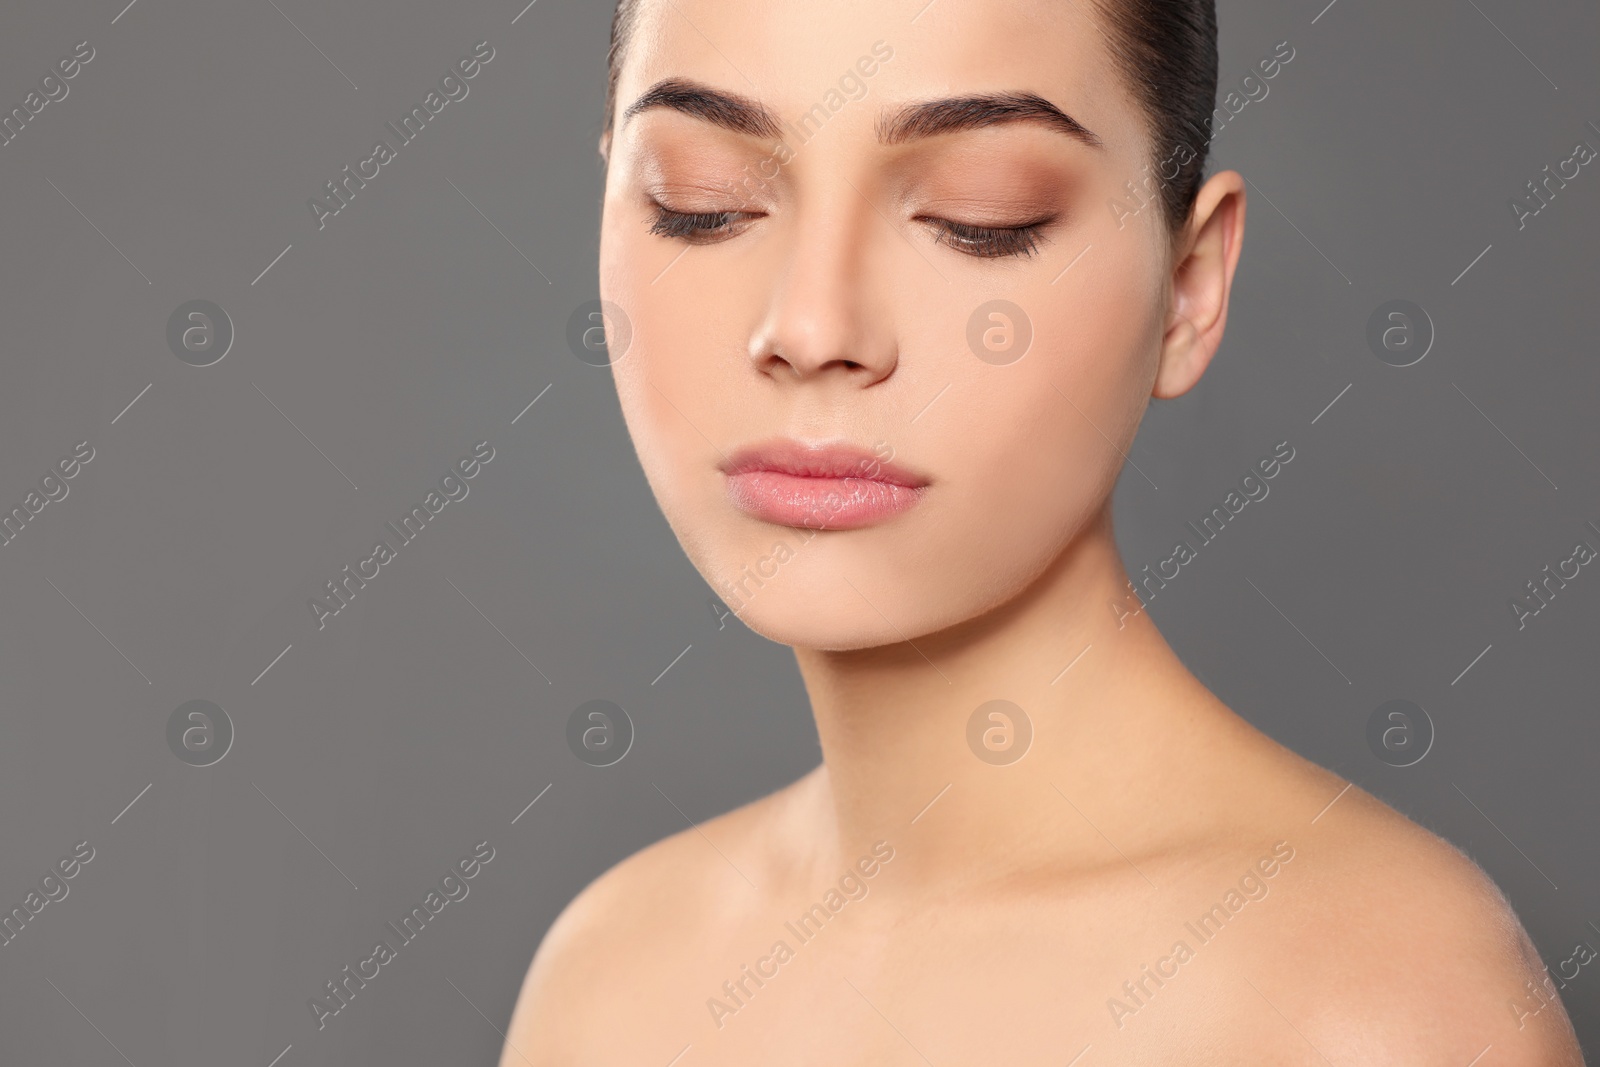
[(691, 226), (656, 207), (1024, 218), (990, 242), (981, 241), (712, 195)]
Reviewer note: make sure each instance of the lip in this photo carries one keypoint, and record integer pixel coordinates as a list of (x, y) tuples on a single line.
[(819, 487)]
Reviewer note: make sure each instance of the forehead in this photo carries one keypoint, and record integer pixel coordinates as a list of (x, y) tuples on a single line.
[(790, 54)]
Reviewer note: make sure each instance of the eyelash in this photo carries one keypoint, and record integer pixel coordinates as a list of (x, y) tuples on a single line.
[(984, 242), (696, 227), (990, 242)]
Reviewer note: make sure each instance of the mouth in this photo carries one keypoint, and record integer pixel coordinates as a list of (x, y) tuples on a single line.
[(828, 487)]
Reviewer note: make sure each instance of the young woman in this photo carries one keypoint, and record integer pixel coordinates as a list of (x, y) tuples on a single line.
[(901, 277)]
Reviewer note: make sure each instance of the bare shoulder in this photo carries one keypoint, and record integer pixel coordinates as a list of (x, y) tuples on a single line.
[(620, 930), (1389, 945)]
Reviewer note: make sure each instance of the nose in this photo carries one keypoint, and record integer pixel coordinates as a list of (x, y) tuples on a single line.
[(825, 318)]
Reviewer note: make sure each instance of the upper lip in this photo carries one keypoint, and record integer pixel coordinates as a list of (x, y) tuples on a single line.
[(785, 456)]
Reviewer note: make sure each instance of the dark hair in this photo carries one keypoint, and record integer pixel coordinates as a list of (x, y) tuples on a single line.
[(1167, 52), (1165, 49)]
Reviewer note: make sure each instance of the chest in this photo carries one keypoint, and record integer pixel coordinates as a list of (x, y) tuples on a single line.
[(1007, 986)]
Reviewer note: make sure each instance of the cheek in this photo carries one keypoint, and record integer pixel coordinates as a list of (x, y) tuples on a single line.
[(674, 379), (1045, 438), (656, 388)]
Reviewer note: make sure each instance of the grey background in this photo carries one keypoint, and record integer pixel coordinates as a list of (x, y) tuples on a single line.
[(377, 752)]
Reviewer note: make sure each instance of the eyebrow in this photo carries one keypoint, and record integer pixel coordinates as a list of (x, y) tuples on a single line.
[(909, 122), (729, 111), (958, 113)]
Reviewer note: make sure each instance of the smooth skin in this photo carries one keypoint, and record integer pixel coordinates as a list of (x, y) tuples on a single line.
[(831, 304)]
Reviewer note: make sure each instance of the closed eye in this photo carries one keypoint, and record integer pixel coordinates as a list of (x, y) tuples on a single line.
[(985, 242), (990, 242), (695, 227)]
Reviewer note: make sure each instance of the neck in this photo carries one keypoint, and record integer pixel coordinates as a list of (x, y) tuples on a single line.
[(1106, 698)]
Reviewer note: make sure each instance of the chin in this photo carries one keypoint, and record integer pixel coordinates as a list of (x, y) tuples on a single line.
[(840, 591)]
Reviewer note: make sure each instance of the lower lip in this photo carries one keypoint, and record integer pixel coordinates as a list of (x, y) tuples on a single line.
[(819, 503)]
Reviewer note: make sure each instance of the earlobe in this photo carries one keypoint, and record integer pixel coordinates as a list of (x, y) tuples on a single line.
[(1201, 284), (1183, 360)]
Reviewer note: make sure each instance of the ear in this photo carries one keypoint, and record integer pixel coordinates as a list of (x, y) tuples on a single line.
[(1201, 282), (605, 148)]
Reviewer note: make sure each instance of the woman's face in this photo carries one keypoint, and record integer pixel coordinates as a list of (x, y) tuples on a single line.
[(839, 421)]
